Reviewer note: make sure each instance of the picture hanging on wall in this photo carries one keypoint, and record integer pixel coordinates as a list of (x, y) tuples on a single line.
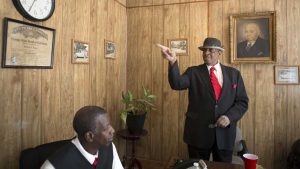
[(286, 75), (109, 49), (26, 45), (80, 52), (180, 46), (253, 37)]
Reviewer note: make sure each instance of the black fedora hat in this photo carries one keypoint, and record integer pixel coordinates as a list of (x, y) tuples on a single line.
[(211, 43)]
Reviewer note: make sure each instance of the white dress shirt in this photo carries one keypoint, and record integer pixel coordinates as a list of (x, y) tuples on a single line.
[(90, 157), (218, 72), (251, 43)]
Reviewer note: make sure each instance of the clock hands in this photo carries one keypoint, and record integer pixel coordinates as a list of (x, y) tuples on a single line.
[(31, 5)]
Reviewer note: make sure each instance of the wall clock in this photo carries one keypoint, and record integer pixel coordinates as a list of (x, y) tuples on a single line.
[(35, 10)]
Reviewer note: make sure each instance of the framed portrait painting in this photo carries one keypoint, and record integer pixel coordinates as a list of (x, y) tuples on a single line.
[(80, 52), (180, 46), (286, 75), (253, 37)]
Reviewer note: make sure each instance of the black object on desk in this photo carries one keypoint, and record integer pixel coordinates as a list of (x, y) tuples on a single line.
[(185, 163), (125, 134)]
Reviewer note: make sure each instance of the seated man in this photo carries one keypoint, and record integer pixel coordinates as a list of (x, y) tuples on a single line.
[(92, 148)]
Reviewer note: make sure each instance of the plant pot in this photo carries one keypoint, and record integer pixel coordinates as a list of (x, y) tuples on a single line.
[(135, 122)]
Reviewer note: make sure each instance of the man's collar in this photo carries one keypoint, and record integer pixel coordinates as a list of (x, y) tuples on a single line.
[(87, 155), (251, 42), (216, 65)]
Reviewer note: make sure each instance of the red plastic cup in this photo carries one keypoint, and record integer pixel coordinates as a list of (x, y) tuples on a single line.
[(250, 161)]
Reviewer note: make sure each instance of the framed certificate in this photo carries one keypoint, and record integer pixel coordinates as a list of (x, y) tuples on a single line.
[(286, 75), (26, 45)]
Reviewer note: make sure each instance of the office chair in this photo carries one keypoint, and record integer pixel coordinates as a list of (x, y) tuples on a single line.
[(33, 158), (293, 160), (239, 148)]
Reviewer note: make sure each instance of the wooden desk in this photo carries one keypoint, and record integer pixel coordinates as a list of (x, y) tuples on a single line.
[(220, 165), (124, 133), (210, 165)]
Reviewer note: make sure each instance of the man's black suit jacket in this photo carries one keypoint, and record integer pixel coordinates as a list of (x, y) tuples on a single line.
[(259, 49), (203, 109)]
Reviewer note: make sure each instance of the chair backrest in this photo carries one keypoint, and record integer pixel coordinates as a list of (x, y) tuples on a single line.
[(237, 144), (239, 148), (293, 160), (33, 158)]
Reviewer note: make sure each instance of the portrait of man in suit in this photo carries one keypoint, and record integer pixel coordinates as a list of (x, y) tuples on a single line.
[(253, 40)]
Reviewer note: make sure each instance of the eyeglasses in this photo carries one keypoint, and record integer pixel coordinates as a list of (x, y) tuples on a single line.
[(211, 50)]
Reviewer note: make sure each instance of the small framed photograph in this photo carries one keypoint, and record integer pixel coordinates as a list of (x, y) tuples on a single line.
[(109, 49), (253, 37), (80, 52), (180, 46), (26, 45), (286, 75)]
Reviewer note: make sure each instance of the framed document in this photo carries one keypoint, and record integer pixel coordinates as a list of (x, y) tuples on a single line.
[(286, 75), (26, 45)]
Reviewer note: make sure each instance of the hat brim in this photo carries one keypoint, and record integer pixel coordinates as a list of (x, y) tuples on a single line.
[(213, 47)]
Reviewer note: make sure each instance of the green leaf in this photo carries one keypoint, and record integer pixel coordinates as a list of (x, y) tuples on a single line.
[(145, 91), (130, 96), (152, 96), (123, 116)]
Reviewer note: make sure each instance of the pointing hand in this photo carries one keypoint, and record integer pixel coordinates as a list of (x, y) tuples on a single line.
[(167, 53)]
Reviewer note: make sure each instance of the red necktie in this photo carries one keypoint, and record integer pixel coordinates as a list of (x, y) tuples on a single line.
[(95, 162), (215, 83)]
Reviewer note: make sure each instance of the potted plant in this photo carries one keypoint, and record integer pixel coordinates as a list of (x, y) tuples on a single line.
[(136, 109)]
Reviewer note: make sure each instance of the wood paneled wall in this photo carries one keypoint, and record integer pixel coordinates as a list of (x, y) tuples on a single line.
[(272, 122), (38, 105)]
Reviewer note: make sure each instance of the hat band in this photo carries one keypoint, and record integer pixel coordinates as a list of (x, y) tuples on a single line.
[(215, 47)]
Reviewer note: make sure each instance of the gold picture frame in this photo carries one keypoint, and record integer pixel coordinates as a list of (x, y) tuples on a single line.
[(80, 52), (26, 45), (286, 74), (253, 37), (109, 49), (180, 46)]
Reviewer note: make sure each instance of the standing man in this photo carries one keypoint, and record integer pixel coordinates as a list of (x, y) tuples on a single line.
[(217, 100), (253, 45), (92, 148)]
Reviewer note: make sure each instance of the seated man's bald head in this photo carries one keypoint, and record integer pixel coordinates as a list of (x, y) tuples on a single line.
[(85, 119)]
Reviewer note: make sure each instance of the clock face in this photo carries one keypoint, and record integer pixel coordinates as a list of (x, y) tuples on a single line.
[(37, 10)]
